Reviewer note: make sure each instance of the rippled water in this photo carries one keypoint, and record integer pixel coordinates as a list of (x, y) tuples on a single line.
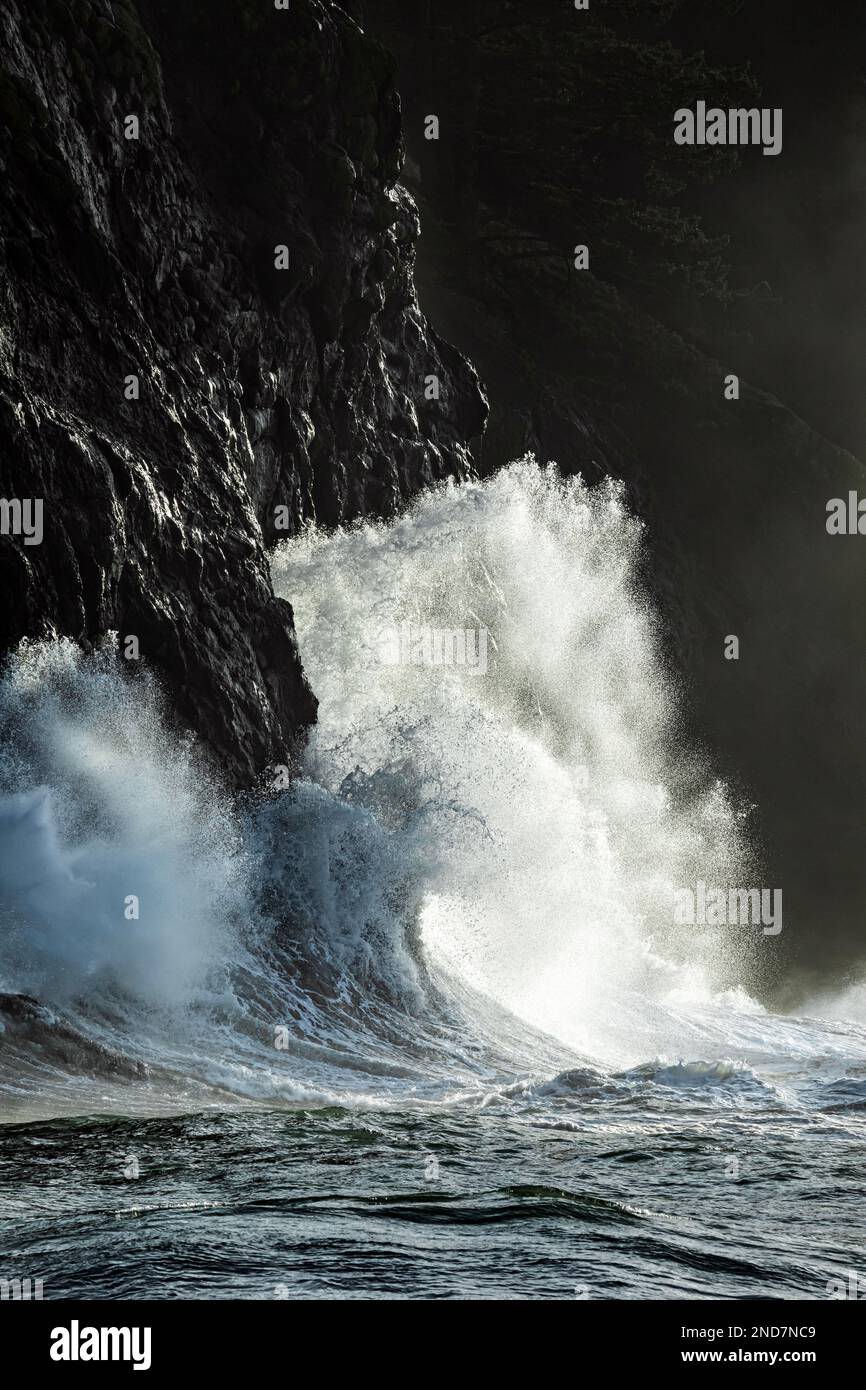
[(594, 1186)]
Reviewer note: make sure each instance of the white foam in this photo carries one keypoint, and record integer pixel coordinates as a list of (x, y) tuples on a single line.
[(463, 841), (558, 809), (99, 804)]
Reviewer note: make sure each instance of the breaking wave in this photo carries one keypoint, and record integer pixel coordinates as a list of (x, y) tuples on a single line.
[(469, 891)]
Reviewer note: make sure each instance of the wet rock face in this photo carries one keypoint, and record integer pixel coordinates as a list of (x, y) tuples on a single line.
[(265, 397)]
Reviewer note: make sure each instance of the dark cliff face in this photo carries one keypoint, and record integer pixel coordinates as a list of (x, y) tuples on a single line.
[(299, 389)]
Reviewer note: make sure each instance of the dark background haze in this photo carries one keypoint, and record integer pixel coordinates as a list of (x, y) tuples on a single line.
[(556, 130)]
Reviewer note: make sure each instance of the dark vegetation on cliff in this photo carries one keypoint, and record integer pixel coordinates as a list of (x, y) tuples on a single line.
[(259, 388)]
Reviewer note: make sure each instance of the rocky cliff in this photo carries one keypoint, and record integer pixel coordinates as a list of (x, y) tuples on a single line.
[(208, 331)]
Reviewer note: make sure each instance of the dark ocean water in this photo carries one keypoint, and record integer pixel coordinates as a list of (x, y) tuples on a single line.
[(603, 1190)]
